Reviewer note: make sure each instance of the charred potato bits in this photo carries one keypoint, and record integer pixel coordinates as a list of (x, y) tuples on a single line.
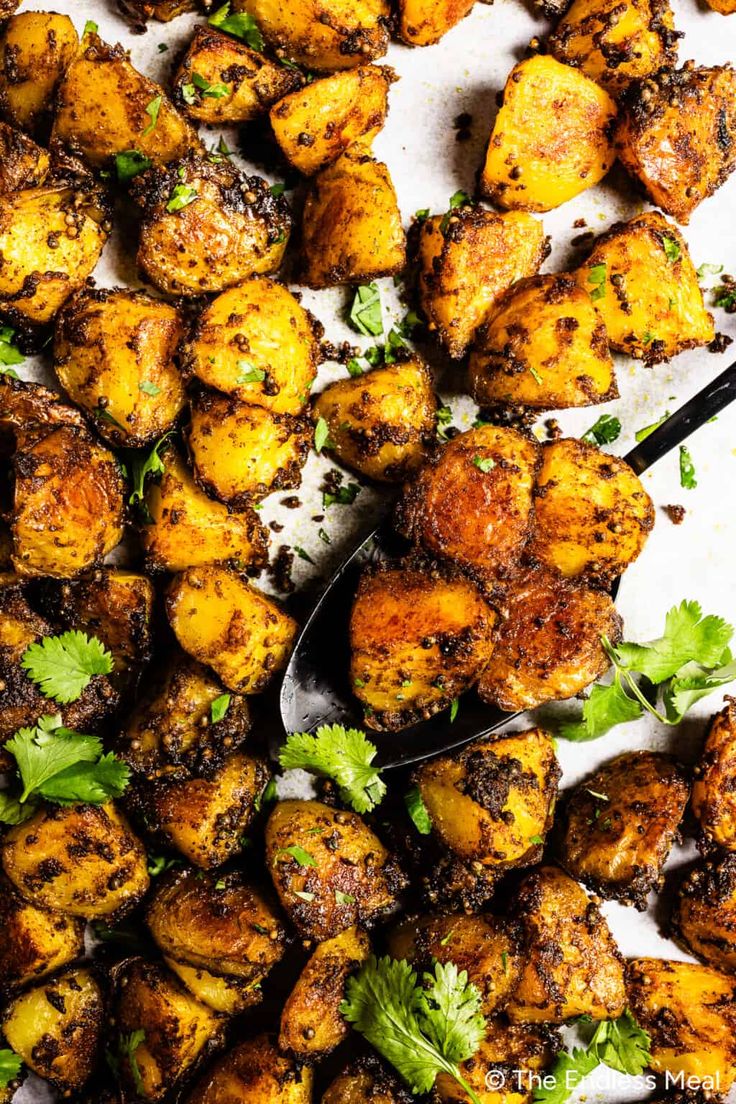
[(255, 1072), (714, 804), (34, 942), (704, 919)]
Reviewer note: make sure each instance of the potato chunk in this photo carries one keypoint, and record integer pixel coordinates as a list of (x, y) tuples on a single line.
[(207, 226), (419, 637), (33, 941), (551, 139), (472, 503), (367, 1078), (621, 822), (314, 125), (351, 230), (592, 512), (704, 919), (23, 164), (254, 1072), (424, 22), (548, 645), (311, 1024), (330, 871), (725, 7), (543, 347), (23, 402), (139, 11), (510, 1057), (36, 48), (645, 287), (227, 994), (382, 423), (467, 259), (323, 34), (714, 786), (573, 966)]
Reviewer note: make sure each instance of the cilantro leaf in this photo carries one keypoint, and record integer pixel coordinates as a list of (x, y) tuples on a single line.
[(605, 707), (458, 199), (643, 433), (365, 312), (151, 464), (343, 496), (181, 196), (159, 864), (90, 27), (10, 1067), (322, 435), (688, 479), (619, 1044), (418, 811), (93, 783), (219, 707), (298, 854), (672, 250), (484, 463), (603, 432), (63, 666), (239, 24), (149, 388), (9, 352), (211, 91), (249, 373), (692, 683), (12, 811), (688, 637), (152, 110), (127, 1046), (568, 1070), (129, 163), (597, 280), (342, 754)]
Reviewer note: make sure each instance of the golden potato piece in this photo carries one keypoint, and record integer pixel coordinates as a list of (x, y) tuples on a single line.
[(419, 637), (714, 785), (383, 423), (592, 512), (548, 644), (257, 343), (351, 229), (645, 287), (504, 1068), (543, 347), (23, 402), (551, 139), (315, 124), (472, 503), (573, 967), (23, 164), (704, 918), (56, 1028), (330, 871), (621, 822), (323, 34), (207, 226), (690, 1013), (725, 7), (424, 22), (34, 942), (367, 1078), (36, 48), (255, 1072), (20, 626), (139, 11), (467, 259), (229, 995)]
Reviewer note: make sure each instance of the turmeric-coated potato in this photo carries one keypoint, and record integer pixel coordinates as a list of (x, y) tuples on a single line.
[(20, 626), (725, 7), (645, 287), (34, 942), (677, 135), (505, 1068), (351, 229), (57, 1028), (592, 514), (467, 258), (573, 967), (82, 860), (419, 636), (548, 644), (257, 343), (139, 11), (714, 787), (472, 503), (23, 402), (317, 123), (424, 22), (323, 34), (36, 48), (542, 347), (254, 1072), (367, 1078), (311, 1023), (207, 226), (222, 81), (552, 137), (614, 44), (330, 871), (383, 422), (223, 993), (621, 822), (23, 164), (689, 1011), (704, 919)]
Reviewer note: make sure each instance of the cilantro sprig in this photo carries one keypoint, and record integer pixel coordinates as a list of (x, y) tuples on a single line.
[(10, 1067), (143, 466), (603, 432), (63, 666), (9, 352), (619, 1044), (342, 754), (239, 25)]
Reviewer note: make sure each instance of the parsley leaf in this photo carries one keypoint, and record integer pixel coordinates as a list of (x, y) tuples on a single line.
[(10, 1067), (688, 479), (152, 110), (181, 196), (219, 707), (603, 432), (63, 666), (365, 312), (343, 754), (239, 24), (418, 811), (129, 163), (9, 353)]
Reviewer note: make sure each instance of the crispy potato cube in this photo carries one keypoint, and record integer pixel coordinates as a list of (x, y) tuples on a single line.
[(573, 967), (23, 164), (677, 135), (257, 343), (621, 822), (543, 347), (139, 11), (645, 287), (725, 7), (467, 259), (548, 644), (552, 137), (36, 48), (419, 637), (207, 226), (254, 1072), (592, 514), (229, 995), (367, 1078), (315, 124), (351, 229), (311, 1024), (330, 871), (424, 22), (704, 918), (382, 423), (323, 34), (510, 1056), (33, 941), (714, 785)]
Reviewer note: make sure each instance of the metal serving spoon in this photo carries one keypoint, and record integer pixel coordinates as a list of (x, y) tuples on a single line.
[(316, 686)]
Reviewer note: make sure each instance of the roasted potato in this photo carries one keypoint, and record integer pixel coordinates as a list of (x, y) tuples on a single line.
[(714, 785), (207, 226), (23, 164), (552, 137), (506, 1065), (33, 941), (139, 11), (36, 48), (323, 34), (366, 1078), (315, 124), (254, 1072), (573, 967), (227, 994), (56, 1028), (233, 628), (82, 860), (257, 343), (330, 871), (114, 355), (311, 1024), (424, 22), (222, 81), (351, 229), (677, 135), (645, 288), (704, 918), (548, 643), (419, 636), (592, 514), (472, 503), (382, 423), (23, 402), (621, 822), (725, 7), (20, 625), (467, 259), (542, 347)]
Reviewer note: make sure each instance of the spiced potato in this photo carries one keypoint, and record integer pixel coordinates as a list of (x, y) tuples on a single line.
[(424, 22), (713, 801), (140, 11), (508, 1063), (367, 1078), (36, 48), (323, 34), (704, 916), (254, 1072), (23, 164), (34, 942)]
